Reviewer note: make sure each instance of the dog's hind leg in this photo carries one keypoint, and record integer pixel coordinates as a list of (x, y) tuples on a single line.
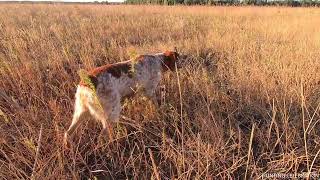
[(108, 112), (76, 120), (102, 116), (112, 116)]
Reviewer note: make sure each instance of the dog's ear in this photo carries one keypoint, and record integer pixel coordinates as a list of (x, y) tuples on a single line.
[(176, 53), (170, 59)]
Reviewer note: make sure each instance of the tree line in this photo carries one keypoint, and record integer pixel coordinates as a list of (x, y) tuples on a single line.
[(294, 3)]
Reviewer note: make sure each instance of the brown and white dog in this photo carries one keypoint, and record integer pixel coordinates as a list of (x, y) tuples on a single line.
[(112, 82)]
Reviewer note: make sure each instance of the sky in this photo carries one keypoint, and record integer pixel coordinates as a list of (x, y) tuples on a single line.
[(68, 0)]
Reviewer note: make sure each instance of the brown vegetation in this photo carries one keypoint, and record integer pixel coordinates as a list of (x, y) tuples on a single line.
[(249, 91)]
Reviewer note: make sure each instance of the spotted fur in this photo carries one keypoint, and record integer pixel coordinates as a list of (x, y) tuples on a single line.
[(112, 82)]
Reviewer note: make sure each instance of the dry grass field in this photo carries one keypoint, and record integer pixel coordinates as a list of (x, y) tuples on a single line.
[(249, 102)]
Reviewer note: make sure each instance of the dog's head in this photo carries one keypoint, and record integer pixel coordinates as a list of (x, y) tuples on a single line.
[(171, 60)]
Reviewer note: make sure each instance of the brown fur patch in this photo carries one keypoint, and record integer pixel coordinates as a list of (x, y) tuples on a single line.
[(116, 70)]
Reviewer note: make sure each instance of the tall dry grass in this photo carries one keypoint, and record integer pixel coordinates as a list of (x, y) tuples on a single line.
[(249, 92)]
